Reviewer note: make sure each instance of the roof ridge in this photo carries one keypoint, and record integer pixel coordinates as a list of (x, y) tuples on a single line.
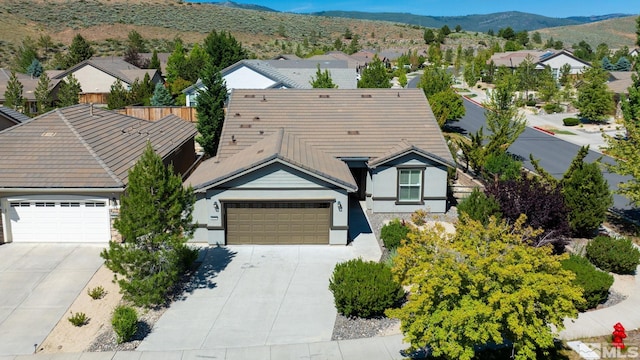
[(89, 148)]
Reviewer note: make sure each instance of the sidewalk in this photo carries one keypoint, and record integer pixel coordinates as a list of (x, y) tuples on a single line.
[(378, 348)]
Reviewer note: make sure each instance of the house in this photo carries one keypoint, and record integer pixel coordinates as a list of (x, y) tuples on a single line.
[(29, 85), (554, 59), (634, 52), (278, 74), (96, 76), (620, 81), (63, 172), (291, 163), (10, 117)]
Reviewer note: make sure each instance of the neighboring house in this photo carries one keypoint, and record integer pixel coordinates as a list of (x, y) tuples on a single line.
[(63, 172), (29, 84), (620, 81), (554, 59), (96, 76), (162, 57), (290, 161), (10, 117), (278, 74), (352, 63), (634, 52)]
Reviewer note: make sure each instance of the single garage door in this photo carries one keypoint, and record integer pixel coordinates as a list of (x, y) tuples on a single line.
[(59, 221), (269, 223)]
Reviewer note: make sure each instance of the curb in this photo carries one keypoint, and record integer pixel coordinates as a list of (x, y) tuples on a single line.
[(544, 130)]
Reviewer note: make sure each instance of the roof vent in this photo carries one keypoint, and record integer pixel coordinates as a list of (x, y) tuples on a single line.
[(264, 98), (48, 134), (261, 132), (236, 115), (366, 96), (353, 132), (245, 126), (256, 118), (233, 139), (325, 96), (260, 151), (249, 96)]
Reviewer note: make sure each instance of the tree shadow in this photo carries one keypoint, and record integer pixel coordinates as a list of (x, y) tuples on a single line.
[(214, 260), (450, 128)]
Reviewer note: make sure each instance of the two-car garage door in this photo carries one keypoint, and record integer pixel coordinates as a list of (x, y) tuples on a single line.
[(269, 223), (48, 220)]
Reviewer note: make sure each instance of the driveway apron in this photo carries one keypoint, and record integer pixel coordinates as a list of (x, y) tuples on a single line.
[(252, 296), (38, 283)]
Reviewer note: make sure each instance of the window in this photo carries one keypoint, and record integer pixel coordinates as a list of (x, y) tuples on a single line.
[(410, 185)]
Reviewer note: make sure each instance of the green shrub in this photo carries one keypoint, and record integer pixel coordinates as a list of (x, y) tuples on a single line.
[(615, 255), (97, 292), (552, 108), (78, 319), (531, 102), (571, 121), (364, 289), (480, 207), (125, 323), (418, 217), (393, 233), (594, 283)]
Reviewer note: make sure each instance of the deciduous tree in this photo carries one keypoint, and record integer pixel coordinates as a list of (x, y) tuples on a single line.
[(480, 286), (223, 49), (155, 222), (375, 75), (595, 101), (43, 94), (118, 96)]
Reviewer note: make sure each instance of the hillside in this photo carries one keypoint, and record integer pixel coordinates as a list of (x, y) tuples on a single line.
[(264, 33)]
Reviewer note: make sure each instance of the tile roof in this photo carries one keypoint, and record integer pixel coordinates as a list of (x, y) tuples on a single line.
[(343, 123), (29, 84), (113, 66), (279, 146), (13, 115), (83, 147), (620, 81)]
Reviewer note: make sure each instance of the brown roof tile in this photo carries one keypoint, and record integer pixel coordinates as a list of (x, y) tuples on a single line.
[(343, 123), (82, 146), (279, 146)]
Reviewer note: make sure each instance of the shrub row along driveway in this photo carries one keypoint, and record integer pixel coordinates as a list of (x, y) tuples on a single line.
[(254, 295), (38, 283)]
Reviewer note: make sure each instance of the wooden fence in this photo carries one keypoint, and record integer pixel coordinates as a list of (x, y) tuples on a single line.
[(153, 113), (93, 98)]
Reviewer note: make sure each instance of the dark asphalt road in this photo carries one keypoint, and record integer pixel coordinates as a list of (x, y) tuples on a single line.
[(554, 154)]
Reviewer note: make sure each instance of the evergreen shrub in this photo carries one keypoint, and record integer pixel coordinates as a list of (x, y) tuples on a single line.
[(364, 288)]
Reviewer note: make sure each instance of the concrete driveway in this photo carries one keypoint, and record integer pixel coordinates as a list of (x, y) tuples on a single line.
[(257, 295), (38, 283)]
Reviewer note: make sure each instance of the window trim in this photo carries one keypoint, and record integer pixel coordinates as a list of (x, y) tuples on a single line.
[(420, 201)]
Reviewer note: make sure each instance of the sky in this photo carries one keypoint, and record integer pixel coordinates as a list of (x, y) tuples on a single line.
[(551, 8)]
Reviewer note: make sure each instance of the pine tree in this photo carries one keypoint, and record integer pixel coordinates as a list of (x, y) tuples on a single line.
[(223, 49), (155, 222), (586, 194), (375, 75), (13, 94), (176, 62), (118, 96), (69, 93), (154, 63), (79, 51), (210, 109), (43, 94), (35, 69), (322, 80), (161, 96), (141, 92)]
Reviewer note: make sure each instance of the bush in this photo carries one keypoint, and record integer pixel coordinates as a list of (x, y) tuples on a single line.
[(614, 255), (480, 207), (125, 323), (552, 108), (78, 319), (97, 292), (531, 102), (594, 283), (418, 217), (393, 233), (364, 289), (570, 121)]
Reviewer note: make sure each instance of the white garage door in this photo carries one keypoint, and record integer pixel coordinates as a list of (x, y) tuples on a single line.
[(58, 220)]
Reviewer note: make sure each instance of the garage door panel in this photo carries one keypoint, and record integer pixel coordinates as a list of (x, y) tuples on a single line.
[(59, 221), (278, 223)]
